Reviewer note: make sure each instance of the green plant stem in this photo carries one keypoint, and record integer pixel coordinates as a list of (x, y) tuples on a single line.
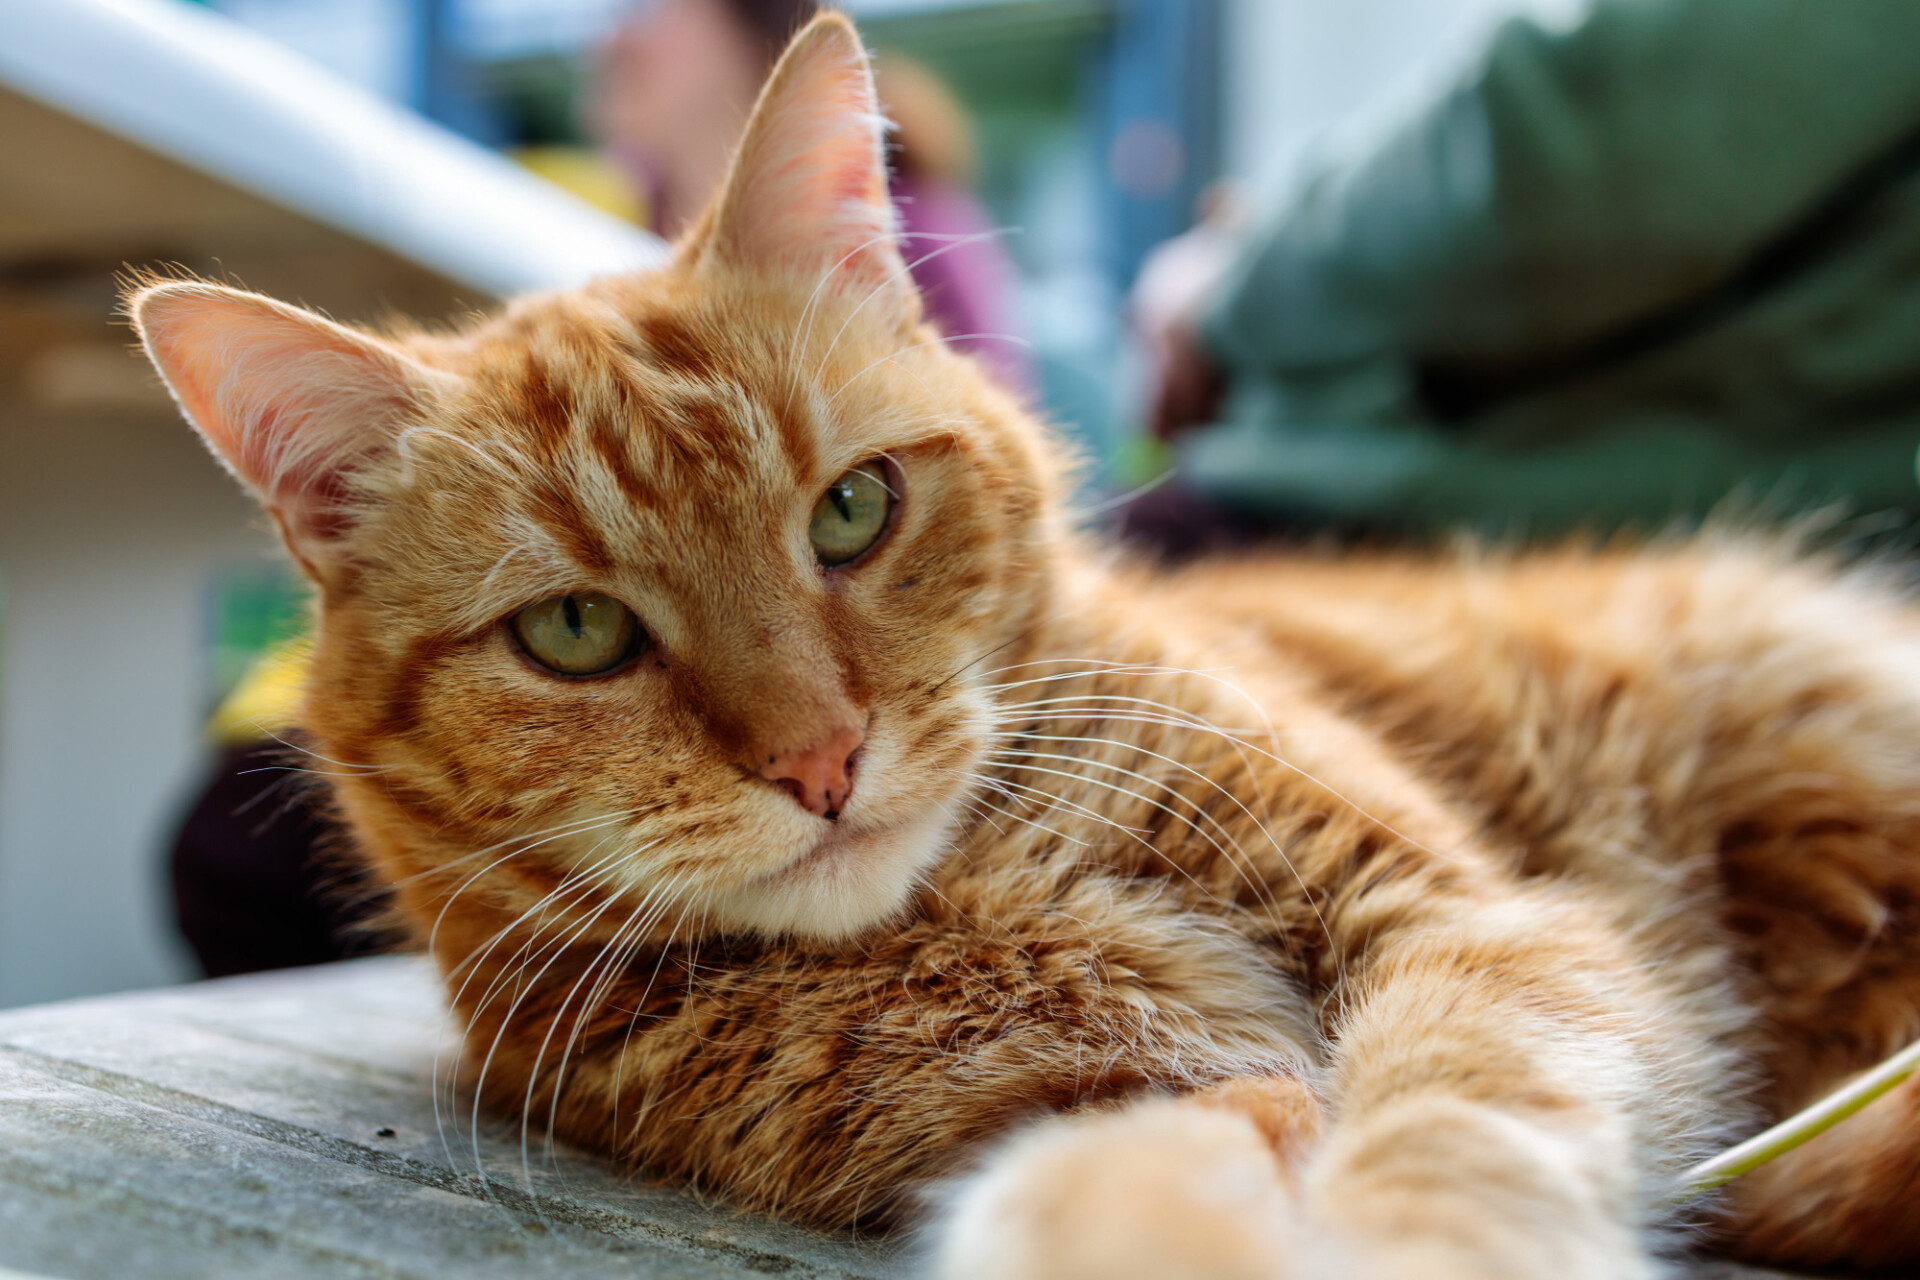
[(1709, 1175)]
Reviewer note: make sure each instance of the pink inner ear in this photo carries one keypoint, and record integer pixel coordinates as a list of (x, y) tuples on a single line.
[(311, 489), (292, 403), (808, 190)]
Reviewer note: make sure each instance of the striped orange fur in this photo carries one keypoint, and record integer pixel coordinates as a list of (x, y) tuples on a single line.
[(1359, 917)]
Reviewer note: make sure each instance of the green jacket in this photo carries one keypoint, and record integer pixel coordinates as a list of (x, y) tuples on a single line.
[(1617, 274)]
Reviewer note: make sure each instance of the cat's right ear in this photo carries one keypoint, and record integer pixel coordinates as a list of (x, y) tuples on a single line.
[(293, 404), (807, 191)]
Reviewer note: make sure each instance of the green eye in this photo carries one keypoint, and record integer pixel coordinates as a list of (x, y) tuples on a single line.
[(579, 634), (850, 515)]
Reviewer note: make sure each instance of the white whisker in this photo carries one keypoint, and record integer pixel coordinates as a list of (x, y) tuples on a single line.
[(905, 269), (638, 921), (943, 340), (1122, 499)]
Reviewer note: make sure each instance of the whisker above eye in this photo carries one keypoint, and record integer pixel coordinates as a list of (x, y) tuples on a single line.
[(882, 478), (943, 340), (1122, 499), (904, 270), (803, 327), (403, 445)]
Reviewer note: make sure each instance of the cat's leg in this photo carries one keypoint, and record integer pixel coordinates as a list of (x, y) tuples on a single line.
[(1807, 785), (1495, 1111), (1197, 1186), (1506, 1103)]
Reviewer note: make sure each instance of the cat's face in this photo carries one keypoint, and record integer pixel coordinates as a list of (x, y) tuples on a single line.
[(675, 598)]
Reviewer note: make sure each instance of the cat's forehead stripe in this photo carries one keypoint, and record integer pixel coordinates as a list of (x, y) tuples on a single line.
[(560, 512), (612, 447), (654, 385), (673, 345), (582, 388), (796, 438)]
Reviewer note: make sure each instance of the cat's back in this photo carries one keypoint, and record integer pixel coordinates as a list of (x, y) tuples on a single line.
[(1574, 696), (1459, 619)]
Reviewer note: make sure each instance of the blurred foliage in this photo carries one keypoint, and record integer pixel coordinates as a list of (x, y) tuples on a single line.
[(254, 609)]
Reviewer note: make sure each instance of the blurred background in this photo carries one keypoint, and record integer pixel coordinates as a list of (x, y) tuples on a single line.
[(426, 157)]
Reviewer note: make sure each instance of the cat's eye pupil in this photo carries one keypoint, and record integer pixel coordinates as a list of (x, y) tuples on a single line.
[(850, 515), (581, 633)]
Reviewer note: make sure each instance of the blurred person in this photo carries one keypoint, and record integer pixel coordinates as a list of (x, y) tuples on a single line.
[(1617, 273), (964, 275), (671, 91)]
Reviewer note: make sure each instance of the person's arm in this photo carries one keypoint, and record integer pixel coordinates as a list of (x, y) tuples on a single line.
[(1639, 474), (1575, 181)]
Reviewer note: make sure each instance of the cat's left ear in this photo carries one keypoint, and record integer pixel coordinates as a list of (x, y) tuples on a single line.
[(807, 194), (296, 406)]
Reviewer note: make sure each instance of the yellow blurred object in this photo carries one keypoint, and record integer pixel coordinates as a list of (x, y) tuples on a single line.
[(266, 702), (588, 174)]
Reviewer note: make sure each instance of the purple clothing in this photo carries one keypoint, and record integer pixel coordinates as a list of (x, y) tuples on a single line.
[(968, 288)]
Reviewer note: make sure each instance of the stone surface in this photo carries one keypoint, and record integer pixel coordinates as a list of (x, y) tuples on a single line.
[(285, 1125)]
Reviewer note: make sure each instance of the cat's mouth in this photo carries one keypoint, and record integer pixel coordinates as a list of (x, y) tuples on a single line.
[(841, 844), (852, 877)]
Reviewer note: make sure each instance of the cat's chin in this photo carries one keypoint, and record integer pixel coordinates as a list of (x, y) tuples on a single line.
[(850, 881)]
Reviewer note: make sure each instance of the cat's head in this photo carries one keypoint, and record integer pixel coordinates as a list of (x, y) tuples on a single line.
[(675, 597)]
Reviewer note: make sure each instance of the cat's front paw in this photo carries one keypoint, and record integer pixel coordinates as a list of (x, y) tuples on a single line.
[(1163, 1190)]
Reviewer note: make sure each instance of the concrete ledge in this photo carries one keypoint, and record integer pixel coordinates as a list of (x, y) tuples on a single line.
[(283, 1125)]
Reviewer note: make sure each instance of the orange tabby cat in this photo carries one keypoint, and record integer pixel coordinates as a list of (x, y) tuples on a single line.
[(798, 808)]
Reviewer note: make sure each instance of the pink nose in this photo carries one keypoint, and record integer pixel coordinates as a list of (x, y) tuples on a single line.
[(820, 777)]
